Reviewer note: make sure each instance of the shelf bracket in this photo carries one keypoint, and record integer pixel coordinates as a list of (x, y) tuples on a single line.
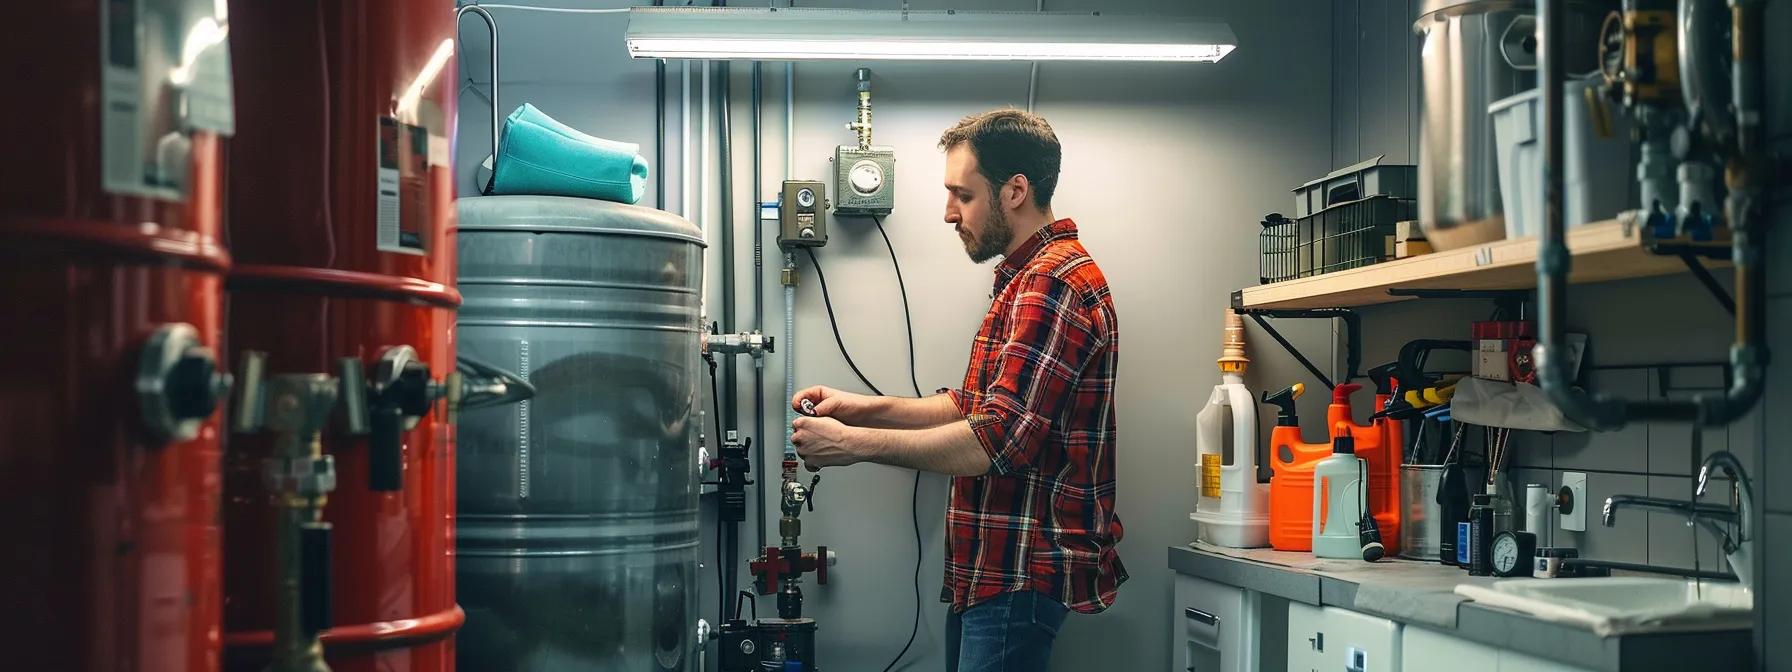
[(1705, 278), (1353, 346)]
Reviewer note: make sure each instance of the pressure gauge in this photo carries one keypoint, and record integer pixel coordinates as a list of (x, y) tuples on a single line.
[(1513, 553), (867, 177), (806, 198)]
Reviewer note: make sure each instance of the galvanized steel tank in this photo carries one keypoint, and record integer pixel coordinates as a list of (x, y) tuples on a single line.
[(578, 509)]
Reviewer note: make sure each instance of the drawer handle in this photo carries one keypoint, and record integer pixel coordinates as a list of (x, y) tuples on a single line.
[(1199, 616)]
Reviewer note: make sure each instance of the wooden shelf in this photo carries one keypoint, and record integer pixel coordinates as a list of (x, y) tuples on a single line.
[(1603, 251)]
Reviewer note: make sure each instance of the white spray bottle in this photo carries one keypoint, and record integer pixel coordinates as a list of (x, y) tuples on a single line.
[(1232, 508)]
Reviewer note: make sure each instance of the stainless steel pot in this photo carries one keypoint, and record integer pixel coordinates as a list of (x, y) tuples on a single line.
[(1463, 71)]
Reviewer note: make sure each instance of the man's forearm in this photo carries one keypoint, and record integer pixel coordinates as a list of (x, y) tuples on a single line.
[(906, 413), (950, 449)]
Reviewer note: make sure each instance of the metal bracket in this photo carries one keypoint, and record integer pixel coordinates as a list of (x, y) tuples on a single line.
[(1705, 278), (1353, 340)]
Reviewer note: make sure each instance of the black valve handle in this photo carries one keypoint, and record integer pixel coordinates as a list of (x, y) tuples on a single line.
[(314, 577), (385, 449)]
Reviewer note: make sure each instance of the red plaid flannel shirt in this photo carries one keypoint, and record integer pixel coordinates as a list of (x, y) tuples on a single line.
[(1039, 394)]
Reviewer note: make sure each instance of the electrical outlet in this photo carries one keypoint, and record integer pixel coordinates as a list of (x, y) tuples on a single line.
[(1573, 515)]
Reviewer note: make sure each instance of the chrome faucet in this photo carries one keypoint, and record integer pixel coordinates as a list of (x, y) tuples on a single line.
[(1733, 525), (1740, 549)]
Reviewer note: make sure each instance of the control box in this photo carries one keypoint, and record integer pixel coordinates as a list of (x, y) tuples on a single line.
[(802, 214), (864, 181)]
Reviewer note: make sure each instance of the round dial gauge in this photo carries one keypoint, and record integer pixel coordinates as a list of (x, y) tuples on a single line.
[(866, 177), (1512, 553), (805, 198)]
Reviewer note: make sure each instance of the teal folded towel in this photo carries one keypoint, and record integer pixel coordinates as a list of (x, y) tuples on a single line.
[(541, 156)]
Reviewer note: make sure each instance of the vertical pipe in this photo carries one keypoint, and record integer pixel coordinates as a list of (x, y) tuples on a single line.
[(789, 354), (758, 284), (684, 145), (659, 132), (1553, 260), (659, 128), (725, 155)]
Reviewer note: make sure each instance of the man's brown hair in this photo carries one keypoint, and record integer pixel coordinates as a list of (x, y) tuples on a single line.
[(1009, 142)]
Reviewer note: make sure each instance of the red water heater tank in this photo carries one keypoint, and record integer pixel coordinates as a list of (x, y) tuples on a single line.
[(112, 271), (341, 207)]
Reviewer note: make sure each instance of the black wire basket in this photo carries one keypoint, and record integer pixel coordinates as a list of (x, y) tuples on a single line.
[(1342, 236)]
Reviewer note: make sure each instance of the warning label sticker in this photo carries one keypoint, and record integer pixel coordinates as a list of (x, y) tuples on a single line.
[(404, 208), (164, 74)]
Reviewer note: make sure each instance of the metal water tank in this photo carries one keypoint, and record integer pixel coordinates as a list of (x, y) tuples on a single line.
[(578, 509)]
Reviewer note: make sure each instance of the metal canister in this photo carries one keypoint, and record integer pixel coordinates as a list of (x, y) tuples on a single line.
[(1464, 69), (584, 498)]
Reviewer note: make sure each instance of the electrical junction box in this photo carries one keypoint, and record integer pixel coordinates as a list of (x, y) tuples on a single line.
[(803, 214), (864, 181)]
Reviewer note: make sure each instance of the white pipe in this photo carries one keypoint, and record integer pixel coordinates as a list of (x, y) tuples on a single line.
[(789, 121), (703, 158), (684, 145), (1033, 73)]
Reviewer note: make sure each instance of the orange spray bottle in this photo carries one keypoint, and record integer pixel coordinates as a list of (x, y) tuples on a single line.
[(1291, 460)]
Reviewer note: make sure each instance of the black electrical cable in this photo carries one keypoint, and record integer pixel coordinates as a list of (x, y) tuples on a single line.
[(914, 379), (914, 497), (715, 400), (829, 302)]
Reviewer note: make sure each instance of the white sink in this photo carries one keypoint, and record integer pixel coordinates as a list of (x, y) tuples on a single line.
[(1624, 604)]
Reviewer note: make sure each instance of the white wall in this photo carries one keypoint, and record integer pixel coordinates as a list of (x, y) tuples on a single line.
[(1167, 169)]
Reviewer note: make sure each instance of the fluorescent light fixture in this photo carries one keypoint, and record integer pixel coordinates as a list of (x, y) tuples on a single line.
[(784, 34)]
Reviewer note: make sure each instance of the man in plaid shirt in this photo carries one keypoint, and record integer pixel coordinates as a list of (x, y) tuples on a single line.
[(1029, 439)]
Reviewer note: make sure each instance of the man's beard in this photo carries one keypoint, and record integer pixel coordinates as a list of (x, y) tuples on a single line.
[(993, 238)]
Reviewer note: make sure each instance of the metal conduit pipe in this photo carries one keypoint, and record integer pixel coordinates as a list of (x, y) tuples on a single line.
[(725, 154), (1744, 175), (789, 353), (659, 128), (758, 286)]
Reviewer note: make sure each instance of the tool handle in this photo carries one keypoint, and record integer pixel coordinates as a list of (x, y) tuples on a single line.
[(385, 450), (314, 577)]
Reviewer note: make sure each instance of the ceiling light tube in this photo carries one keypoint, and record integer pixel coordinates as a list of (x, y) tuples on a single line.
[(768, 34)]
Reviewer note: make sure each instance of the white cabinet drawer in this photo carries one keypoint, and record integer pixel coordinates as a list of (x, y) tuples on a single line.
[(1329, 639)]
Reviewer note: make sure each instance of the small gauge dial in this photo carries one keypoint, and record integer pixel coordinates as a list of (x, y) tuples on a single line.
[(866, 177), (806, 198), (1513, 553)]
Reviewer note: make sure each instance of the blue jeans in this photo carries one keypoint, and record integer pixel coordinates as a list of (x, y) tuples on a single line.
[(1012, 632)]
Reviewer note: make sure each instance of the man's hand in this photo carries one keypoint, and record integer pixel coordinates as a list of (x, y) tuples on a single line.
[(852, 409), (826, 442)]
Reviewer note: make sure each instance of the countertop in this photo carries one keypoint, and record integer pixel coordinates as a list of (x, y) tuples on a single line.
[(1419, 593)]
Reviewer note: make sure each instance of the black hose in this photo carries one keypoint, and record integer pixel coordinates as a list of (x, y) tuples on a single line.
[(724, 587)]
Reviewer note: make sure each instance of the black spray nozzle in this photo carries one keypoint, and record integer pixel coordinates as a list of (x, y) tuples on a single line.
[(1383, 377), (1283, 400)]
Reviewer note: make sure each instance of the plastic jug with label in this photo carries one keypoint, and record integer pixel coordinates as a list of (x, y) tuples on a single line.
[(1232, 508)]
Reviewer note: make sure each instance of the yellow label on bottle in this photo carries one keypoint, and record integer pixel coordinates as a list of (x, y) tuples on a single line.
[(1210, 474)]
